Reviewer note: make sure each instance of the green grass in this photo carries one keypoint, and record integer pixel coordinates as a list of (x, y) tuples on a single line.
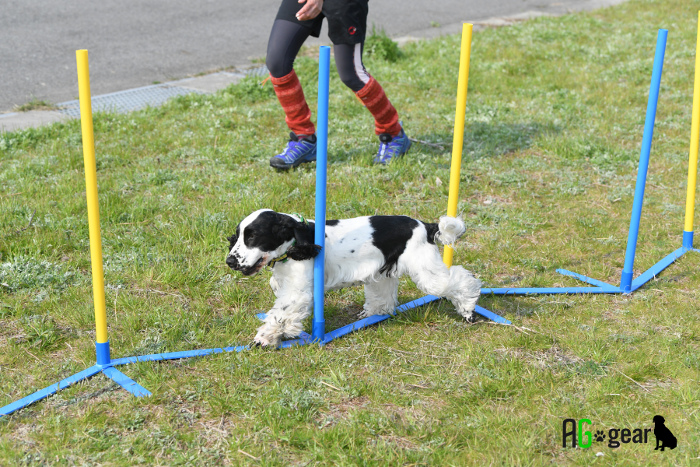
[(555, 114), (35, 104)]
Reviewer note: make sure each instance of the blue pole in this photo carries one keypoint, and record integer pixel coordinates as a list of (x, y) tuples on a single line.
[(324, 63), (627, 271)]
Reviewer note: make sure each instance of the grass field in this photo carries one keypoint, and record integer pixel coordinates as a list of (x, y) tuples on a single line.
[(555, 114)]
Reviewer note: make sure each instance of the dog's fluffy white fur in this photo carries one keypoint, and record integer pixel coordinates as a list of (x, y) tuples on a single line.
[(374, 251)]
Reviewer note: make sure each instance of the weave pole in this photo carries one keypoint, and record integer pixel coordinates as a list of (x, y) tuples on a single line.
[(104, 364), (627, 285), (458, 135), (627, 271), (457, 148), (693, 156), (93, 208), (319, 329)]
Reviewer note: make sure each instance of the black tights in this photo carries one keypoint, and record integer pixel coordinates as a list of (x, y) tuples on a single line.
[(286, 39)]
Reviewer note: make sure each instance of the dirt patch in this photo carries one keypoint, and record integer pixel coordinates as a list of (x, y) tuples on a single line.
[(550, 358)]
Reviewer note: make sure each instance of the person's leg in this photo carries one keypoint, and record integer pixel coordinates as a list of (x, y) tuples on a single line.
[(351, 70), (286, 38), (347, 29)]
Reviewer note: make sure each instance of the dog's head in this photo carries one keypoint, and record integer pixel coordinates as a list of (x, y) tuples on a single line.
[(658, 419), (265, 235)]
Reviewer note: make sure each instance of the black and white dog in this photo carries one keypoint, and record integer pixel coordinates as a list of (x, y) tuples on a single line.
[(374, 251)]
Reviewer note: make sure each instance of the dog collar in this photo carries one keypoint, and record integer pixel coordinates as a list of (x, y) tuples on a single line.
[(303, 221), (283, 258)]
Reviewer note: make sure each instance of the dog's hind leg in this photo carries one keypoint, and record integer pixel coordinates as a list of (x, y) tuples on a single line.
[(463, 291), (456, 284), (381, 296)]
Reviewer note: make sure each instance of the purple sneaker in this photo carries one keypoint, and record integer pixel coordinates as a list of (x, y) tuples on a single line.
[(299, 149), (391, 147)]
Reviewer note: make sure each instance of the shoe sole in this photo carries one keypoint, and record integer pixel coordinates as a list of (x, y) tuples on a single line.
[(278, 163)]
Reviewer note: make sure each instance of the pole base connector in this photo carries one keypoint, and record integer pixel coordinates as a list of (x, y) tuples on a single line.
[(626, 282), (102, 353), (318, 333), (688, 239)]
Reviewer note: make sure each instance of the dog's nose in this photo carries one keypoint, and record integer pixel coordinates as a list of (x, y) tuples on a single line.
[(232, 262)]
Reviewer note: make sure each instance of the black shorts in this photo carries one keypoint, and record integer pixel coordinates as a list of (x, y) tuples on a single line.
[(347, 19)]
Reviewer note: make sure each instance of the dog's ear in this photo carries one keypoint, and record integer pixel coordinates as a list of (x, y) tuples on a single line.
[(303, 252), (283, 228), (304, 247)]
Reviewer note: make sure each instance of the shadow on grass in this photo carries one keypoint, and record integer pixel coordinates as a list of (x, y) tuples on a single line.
[(486, 139)]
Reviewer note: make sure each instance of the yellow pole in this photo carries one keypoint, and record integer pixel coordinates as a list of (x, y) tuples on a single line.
[(98, 287), (694, 137), (458, 137)]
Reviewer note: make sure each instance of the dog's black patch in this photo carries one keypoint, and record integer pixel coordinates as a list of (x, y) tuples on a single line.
[(432, 230), (269, 230), (390, 234)]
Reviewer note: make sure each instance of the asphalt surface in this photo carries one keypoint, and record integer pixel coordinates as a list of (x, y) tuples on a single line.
[(135, 43)]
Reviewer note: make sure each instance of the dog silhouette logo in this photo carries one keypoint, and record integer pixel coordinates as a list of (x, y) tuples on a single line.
[(664, 437)]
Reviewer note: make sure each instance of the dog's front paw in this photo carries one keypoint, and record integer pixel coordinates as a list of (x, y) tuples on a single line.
[(265, 338), (471, 317), (367, 313)]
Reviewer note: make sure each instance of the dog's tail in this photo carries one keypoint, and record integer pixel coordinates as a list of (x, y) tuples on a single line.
[(449, 230)]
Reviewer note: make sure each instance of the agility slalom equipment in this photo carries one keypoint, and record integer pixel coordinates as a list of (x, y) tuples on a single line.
[(458, 135), (104, 363), (627, 283), (324, 64), (693, 156)]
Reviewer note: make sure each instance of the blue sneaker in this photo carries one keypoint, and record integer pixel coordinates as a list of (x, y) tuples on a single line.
[(391, 147), (299, 149)]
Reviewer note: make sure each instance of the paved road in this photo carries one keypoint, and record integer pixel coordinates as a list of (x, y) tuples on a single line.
[(134, 43)]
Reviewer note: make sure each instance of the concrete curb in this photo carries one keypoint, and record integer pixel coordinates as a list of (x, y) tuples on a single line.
[(201, 84)]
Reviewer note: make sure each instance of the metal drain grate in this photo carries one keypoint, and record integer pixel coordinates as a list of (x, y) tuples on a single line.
[(139, 98), (129, 100), (258, 71)]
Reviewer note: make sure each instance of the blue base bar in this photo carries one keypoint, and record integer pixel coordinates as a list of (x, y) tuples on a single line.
[(589, 280), (53, 389), (102, 350), (139, 391), (363, 323), (654, 271), (127, 383), (548, 290), (602, 287)]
